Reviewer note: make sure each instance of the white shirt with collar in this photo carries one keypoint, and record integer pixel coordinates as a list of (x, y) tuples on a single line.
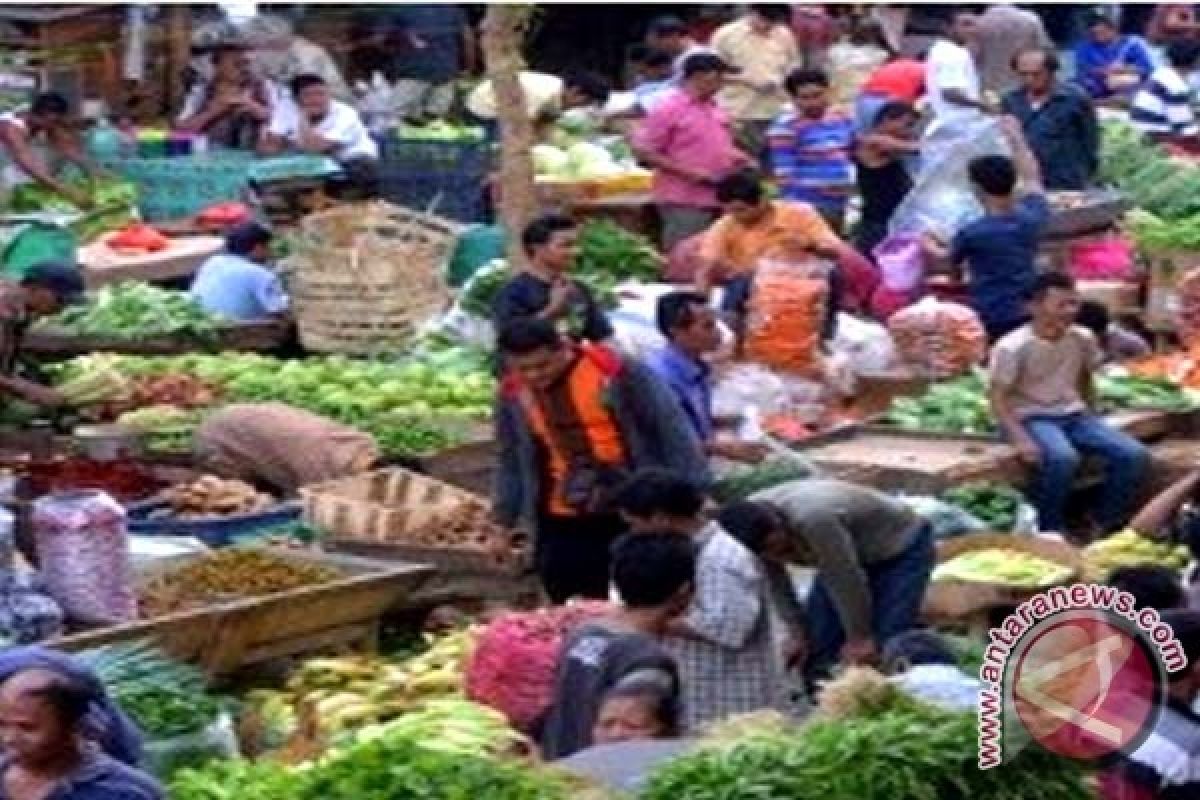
[(341, 125)]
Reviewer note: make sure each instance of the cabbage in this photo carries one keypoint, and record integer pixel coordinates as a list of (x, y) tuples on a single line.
[(550, 160), (588, 160)]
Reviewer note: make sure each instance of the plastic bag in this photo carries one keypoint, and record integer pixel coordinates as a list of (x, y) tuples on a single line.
[(163, 757), (1109, 259), (941, 199), (83, 548), (745, 385), (901, 262), (786, 314), (866, 344), (938, 339)]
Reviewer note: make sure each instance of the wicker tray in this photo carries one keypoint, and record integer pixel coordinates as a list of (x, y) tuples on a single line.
[(382, 507), (955, 599), (226, 637)]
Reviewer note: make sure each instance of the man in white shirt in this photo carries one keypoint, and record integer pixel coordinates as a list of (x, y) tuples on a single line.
[(311, 121), (952, 80)]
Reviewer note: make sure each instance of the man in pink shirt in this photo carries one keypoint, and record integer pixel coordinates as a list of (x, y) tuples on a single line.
[(687, 141)]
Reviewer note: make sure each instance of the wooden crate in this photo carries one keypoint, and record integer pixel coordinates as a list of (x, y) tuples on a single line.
[(239, 336), (244, 632)]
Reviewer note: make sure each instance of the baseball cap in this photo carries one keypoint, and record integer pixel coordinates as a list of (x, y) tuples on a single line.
[(706, 62)]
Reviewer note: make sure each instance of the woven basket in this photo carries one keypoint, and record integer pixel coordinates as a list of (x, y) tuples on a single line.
[(366, 278), (950, 599)]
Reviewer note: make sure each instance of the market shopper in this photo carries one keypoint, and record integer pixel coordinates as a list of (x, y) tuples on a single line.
[(810, 148), (44, 718), (44, 126), (234, 107), (572, 423), (899, 80), (312, 121), (607, 667), (873, 558), (1118, 342), (1162, 107), (686, 140), (762, 49), (544, 288), (281, 447), (854, 58), (726, 641), (881, 170), (1110, 65), (955, 92), (670, 34), (689, 323), (282, 55), (237, 284), (1000, 249), (1041, 395), (1003, 30), (1058, 120), (45, 289)]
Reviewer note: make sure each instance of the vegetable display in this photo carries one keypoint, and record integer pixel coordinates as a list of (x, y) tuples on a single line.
[(137, 239), (1149, 394), (133, 310), (1130, 549), (742, 481), (164, 428), (440, 131), (211, 496), (1005, 567), (786, 312), (993, 504), (224, 575), (105, 193), (413, 407)]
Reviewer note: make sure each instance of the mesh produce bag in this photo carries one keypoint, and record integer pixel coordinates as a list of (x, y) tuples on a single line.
[(83, 550), (938, 339), (513, 666), (786, 313)]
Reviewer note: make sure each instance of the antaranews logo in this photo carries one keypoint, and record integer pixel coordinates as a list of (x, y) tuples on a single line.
[(1080, 670)]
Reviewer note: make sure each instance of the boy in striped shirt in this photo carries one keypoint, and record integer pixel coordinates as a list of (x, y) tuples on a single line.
[(810, 148), (1162, 108)]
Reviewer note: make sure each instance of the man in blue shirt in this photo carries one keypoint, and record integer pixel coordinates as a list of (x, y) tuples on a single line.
[(235, 284), (1108, 64), (690, 325), (1000, 248)]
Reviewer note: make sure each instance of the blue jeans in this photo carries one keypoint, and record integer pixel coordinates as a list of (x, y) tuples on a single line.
[(897, 588), (1063, 441)]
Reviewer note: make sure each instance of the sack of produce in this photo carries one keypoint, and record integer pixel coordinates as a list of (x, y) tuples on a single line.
[(83, 550), (1188, 314), (786, 314), (938, 339), (513, 665), (217, 740), (867, 345)]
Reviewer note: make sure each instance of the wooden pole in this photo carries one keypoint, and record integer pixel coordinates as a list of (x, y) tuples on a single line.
[(179, 51), (504, 28)]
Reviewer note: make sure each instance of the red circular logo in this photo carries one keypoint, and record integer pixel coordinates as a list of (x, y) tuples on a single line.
[(1086, 684)]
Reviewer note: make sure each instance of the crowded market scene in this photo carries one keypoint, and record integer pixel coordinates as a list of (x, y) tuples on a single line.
[(602, 401)]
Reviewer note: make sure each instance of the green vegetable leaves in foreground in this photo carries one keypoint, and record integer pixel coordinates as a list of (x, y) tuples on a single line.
[(136, 310)]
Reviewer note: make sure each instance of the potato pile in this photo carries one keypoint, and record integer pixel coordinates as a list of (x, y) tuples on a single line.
[(211, 496)]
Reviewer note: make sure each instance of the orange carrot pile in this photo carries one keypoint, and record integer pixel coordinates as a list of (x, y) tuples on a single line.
[(786, 314)]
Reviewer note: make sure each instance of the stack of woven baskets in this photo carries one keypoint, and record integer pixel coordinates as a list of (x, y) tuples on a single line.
[(365, 278)]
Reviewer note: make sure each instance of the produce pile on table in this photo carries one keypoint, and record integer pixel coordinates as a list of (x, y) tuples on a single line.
[(114, 203), (1130, 549), (165, 429), (211, 496), (1004, 567), (135, 310), (607, 256), (416, 406), (225, 575), (439, 130), (993, 504), (1152, 180)]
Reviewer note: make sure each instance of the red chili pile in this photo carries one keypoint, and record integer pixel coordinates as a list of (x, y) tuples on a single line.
[(125, 480)]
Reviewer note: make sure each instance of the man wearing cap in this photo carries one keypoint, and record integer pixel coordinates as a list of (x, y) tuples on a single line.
[(44, 290), (686, 139)]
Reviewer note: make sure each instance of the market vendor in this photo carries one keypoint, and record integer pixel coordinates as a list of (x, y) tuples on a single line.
[(237, 284), (28, 137), (281, 447), (45, 726), (311, 121), (1042, 394), (46, 288), (689, 323), (754, 228), (873, 557), (1109, 64), (572, 422), (544, 288), (234, 106)]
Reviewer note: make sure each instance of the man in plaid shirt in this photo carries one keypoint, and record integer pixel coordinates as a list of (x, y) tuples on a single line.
[(725, 642)]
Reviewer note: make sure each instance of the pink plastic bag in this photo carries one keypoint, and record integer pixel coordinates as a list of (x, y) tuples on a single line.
[(901, 262), (1109, 259)]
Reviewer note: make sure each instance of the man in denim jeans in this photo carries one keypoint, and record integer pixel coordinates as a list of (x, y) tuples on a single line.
[(1041, 392)]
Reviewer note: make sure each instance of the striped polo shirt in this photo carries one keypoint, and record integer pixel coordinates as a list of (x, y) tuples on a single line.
[(810, 159), (1164, 104)]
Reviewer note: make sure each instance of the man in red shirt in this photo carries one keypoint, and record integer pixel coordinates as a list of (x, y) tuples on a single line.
[(900, 79)]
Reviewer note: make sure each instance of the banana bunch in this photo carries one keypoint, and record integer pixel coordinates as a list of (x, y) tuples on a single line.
[(95, 387), (1129, 549), (451, 725), (350, 692)]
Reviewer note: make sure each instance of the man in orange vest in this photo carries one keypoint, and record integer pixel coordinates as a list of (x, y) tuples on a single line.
[(573, 421)]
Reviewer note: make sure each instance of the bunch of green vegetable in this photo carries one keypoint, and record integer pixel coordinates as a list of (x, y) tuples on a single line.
[(106, 193), (1120, 392), (993, 504), (237, 780), (134, 310), (955, 406), (742, 481), (163, 712), (413, 407), (904, 751), (1153, 181)]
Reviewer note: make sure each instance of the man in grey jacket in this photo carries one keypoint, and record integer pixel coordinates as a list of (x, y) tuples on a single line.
[(573, 421)]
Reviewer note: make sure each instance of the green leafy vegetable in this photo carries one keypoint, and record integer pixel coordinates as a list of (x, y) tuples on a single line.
[(993, 504), (134, 310)]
